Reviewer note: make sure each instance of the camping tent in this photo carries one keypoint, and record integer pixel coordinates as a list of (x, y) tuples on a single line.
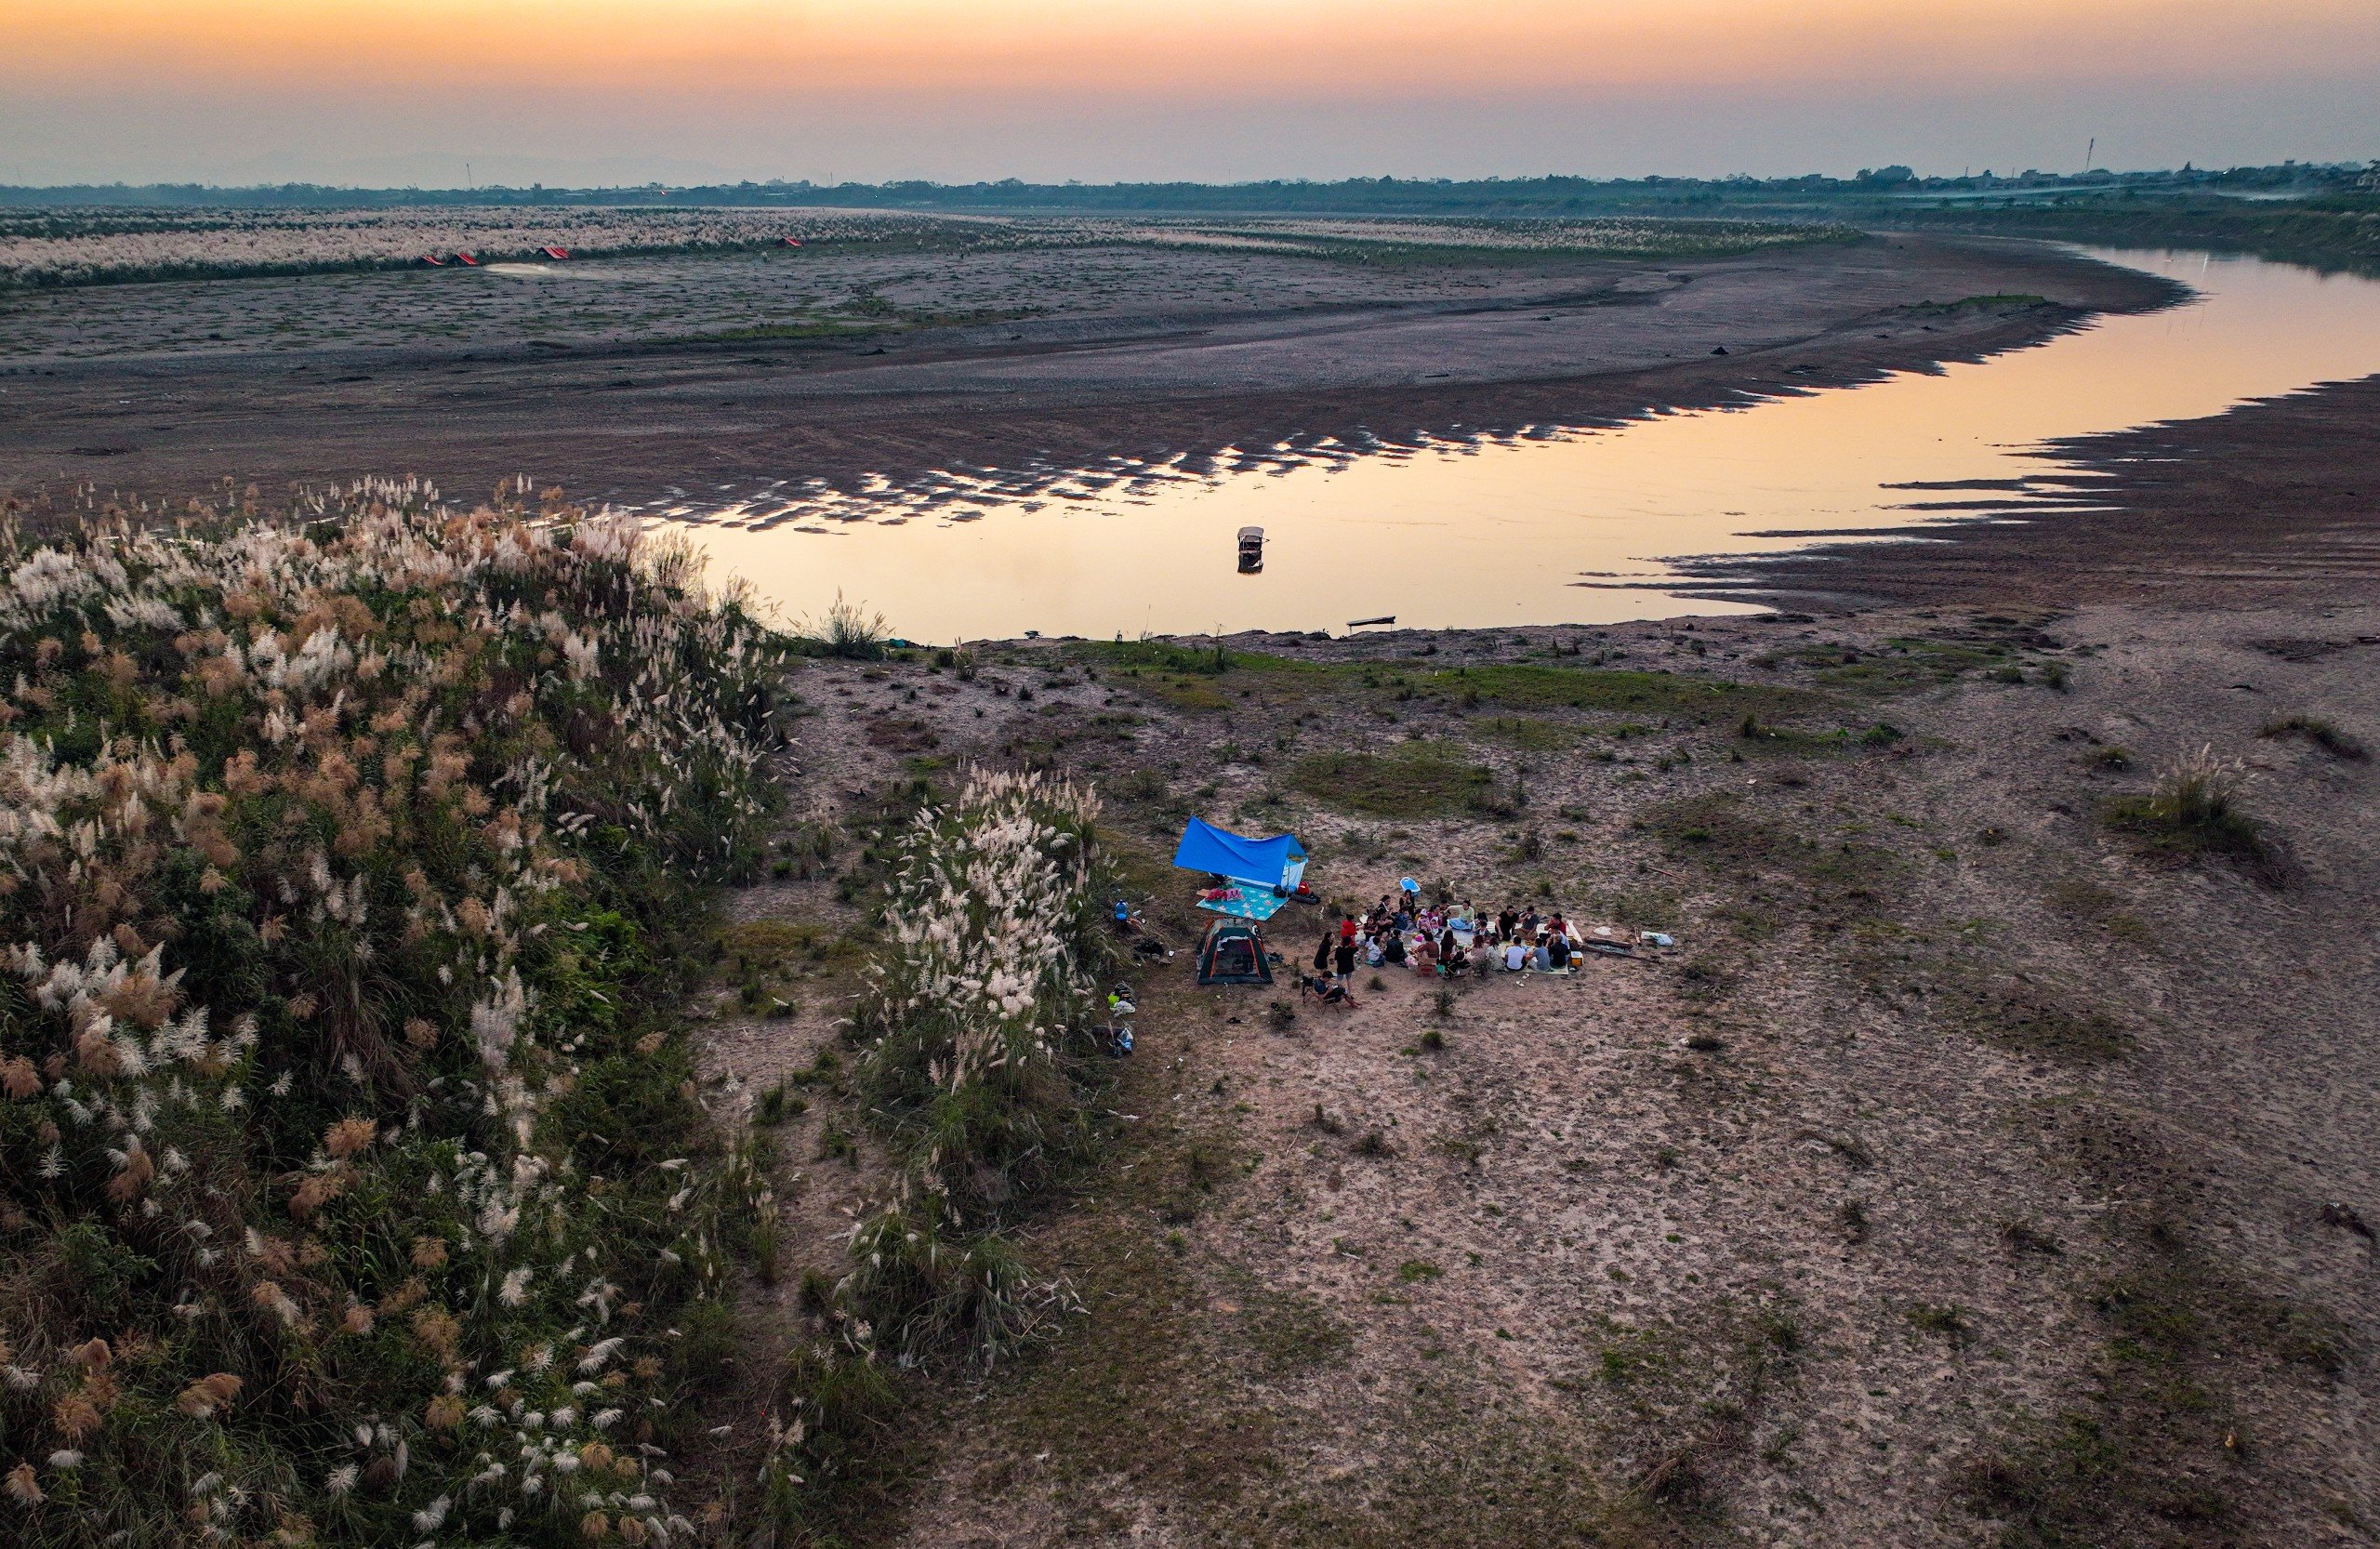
[(1261, 872), (1233, 954)]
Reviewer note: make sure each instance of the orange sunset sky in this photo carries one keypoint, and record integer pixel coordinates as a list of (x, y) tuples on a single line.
[(625, 90)]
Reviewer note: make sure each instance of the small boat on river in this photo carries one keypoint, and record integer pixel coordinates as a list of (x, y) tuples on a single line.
[(1251, 551)]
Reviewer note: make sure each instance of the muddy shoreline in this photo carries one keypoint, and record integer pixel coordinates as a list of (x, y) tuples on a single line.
[(1188, 368), (2274, 502)]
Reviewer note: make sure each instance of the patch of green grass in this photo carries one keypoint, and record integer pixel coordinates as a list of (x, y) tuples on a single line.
[(1523, 732), (1646, 907), (1289, 1333), (1842, 880), (778, 1104), (1759, 735), (2323, 733), (2152, 1449), (1159, 656), (808, 327), (1949, 1319), (2030, 1019), (1412, 782), (1903, 664), (1168, 670), (1611, 691), (1182, 693)]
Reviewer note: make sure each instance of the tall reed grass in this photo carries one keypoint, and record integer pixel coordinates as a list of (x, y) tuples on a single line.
[(977, 1060), (353, 1184)]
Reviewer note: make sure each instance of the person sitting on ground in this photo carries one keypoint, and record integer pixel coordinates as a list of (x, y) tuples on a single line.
[(1557, 952), (1454, 963), (1391, 949), (1508, 924), (1347, 927), (1425, 953), (1557, 925), (1329, 991), (1516, 958), (1374, 954)]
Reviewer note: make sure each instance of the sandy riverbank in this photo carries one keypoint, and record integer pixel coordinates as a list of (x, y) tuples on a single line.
[(1970, 1173), (1128, 352)]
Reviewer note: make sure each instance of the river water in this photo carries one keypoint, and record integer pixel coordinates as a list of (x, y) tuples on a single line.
[(1544, 526)]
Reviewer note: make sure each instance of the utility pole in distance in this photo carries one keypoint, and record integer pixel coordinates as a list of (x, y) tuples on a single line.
[(2090, 154)]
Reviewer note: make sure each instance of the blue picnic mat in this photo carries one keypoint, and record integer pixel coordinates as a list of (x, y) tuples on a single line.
[(1246, 903)]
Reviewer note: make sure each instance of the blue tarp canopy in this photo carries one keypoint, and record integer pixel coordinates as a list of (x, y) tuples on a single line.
[(1260, 864)]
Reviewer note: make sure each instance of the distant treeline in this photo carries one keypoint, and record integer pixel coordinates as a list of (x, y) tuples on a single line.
[(1550, 196), (2333, 234)]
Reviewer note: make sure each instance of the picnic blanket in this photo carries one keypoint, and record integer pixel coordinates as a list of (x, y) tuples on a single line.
[(1257, 904)]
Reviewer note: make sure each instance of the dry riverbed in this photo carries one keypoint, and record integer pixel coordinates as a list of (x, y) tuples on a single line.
[(1975, 1169), (640, 377)]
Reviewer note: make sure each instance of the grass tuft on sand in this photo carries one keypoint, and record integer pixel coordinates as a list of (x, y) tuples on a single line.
[(2192, 812)]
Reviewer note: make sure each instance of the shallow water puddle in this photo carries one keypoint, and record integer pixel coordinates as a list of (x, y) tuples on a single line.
[(1540, 525)]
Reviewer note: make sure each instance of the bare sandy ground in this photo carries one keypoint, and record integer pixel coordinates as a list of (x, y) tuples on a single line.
[(1967, 1174), (1094, 352)]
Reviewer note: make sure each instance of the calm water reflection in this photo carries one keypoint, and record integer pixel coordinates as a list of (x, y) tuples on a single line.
[(1533, 528)]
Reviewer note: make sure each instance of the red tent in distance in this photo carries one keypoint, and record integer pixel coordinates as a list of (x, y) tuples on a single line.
[(467, 258), (555, 251), (789, 242), (433, 261)]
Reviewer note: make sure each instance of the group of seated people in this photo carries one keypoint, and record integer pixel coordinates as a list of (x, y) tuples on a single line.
[(1448, 940)]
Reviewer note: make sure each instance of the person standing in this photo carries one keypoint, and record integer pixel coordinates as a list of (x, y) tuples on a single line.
[(1345, 961), (1322, 955)]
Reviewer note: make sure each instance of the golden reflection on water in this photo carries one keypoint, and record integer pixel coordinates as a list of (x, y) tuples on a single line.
[(1501, 533)]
